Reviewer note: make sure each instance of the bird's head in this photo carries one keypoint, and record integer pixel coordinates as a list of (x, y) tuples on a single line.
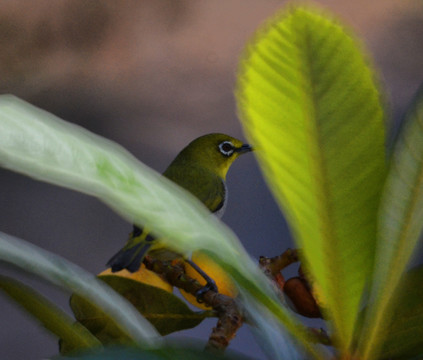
[(214, 151)]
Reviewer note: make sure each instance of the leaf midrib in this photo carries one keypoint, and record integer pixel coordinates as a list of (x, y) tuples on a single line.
[(324, 198)]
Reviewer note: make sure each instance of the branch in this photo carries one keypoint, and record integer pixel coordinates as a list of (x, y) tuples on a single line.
[(297, 289), (272, 267), (229, 315)]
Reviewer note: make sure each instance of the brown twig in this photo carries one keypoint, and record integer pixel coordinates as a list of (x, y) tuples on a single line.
[(272, 267), (229, 315), (297, 289)]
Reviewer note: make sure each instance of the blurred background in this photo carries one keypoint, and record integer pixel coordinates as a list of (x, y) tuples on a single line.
[(152, 75)]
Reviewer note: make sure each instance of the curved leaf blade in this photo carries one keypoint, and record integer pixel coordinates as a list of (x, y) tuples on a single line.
[(71, 277), (400, 224), (51, 317), (309, 104), (39, 144)]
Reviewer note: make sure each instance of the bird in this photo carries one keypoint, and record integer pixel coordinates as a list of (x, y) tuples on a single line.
[(200, 168)]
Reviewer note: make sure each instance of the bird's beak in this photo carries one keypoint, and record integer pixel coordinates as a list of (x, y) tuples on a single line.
[(244, 149)]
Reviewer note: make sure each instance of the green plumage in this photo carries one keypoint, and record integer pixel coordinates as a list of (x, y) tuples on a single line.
[(201, 169), (207, 186)]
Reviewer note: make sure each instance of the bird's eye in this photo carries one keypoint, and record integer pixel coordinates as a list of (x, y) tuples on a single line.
[(226, 148)]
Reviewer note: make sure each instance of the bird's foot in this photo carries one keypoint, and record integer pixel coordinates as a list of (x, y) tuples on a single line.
[(210, 286)]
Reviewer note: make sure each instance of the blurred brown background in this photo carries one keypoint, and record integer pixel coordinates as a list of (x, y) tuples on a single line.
[(152, 75)]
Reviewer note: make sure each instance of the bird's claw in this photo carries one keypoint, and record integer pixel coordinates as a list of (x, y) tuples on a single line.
[(210, 286)]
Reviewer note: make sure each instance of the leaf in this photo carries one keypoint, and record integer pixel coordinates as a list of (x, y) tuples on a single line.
[(39, 144), (400, 225), (71, 277), (50, 316), (309, 104), (186, 352), (162, 309), (404, 335)]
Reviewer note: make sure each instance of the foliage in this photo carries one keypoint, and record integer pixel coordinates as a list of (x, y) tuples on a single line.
[(69, 276), (166, 312), (400, 224), (52, 319), (309, 103), (404, 333), (188, 352)]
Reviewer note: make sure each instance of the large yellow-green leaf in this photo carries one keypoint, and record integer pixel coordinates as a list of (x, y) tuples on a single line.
[(400, 225), (309, 104), (37, 143), (51, 317)]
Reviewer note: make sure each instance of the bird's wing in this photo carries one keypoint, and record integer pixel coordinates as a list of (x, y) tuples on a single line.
[(206, 186), (131, 255), (214, 199)]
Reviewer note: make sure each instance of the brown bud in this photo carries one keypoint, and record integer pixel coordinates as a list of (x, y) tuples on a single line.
[(300, 297)]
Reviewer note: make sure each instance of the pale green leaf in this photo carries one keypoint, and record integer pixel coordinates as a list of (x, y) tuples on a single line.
[(41, 145), (51, 317), (71, 277), (309, 104), (400, 224), (37, 143)]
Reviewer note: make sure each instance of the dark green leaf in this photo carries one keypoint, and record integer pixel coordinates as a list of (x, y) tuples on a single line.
[(163, 309), (404, 336), (50, 316), (187, 352)]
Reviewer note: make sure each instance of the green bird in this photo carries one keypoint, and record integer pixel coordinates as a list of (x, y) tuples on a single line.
[(200, 168)]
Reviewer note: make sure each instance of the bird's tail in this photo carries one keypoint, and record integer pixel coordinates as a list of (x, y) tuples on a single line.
[(131, 256)]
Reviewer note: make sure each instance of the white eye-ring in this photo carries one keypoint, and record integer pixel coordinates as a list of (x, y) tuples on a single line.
[(226, 148)]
